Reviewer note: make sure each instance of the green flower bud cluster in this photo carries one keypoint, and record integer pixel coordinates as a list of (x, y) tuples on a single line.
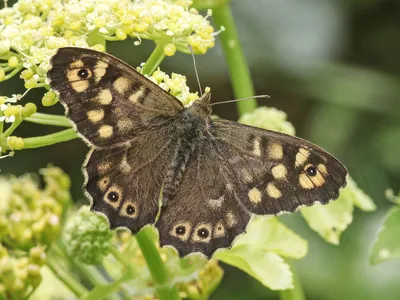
[(30, 215), (268, 118), (20, 274), (88, 237)]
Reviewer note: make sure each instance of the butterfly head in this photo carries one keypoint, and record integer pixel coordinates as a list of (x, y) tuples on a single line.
[(202, 105)]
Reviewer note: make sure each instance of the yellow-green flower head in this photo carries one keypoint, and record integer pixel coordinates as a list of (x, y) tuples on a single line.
[(31, 31), (268, 118), (175, 85)]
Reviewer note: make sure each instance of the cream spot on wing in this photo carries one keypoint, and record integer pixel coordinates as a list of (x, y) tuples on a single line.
[(231, 219), (254, 195), (121, 85), (322, 169), (247, 177), (100, 70), (273, 191), (76, 64), (219, 230), (125, 166), (279, 172), (105, 131), (129, 209), (95, 115), (135, 96), (216, 203), (256, 147), (229, 187), (103, 167), (202, 233), (80, 86), (305, 182), (113, 196), (317, 180), (301, 157), (105, 97), (125, 124), (275, 151), (181, 231), (103, 183)]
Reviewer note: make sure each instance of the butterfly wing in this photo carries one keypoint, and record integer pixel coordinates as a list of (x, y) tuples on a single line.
[(239, 170), (204, 215), (107, 99), (125, 183), (275, 172), (127, 119)]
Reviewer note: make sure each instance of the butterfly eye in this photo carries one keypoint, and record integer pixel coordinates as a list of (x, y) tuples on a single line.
[(130, 210), (311, 171), (113, 196), (83, 73), (180, 230), (203, 233)]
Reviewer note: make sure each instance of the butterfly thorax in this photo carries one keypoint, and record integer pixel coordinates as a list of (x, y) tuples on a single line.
[(192, 128)]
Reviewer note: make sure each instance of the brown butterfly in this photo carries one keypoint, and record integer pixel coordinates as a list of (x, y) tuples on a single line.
[(214, 174)]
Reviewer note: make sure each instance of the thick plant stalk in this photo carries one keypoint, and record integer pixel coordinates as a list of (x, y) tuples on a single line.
[(237, 65)]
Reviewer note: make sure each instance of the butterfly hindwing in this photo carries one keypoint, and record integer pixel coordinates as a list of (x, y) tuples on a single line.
[(124, 183), (108, 100), (204, 215)]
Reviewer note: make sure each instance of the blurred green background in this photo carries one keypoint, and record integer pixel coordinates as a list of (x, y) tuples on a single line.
[(333, 66)]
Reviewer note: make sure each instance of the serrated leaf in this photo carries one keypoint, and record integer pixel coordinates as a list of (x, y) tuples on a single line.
[(388, 243), (360, 199), (258, 252), (268, 234), (330, 220)]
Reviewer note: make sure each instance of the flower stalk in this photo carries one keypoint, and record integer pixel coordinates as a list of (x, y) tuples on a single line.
[(237, 65)]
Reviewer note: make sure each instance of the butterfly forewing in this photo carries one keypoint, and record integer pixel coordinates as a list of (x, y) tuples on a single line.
[(275, 172), (108, 100)]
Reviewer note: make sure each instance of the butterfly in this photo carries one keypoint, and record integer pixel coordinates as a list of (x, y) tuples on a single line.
[(154, 161)]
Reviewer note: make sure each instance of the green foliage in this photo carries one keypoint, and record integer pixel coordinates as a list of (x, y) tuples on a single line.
[(387, 245), (259, 252)]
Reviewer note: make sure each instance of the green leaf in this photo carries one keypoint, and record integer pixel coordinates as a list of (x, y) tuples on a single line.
[(330, 220), (360, 199), (258, 252), (388, 243), (267, 267), (101, 291)]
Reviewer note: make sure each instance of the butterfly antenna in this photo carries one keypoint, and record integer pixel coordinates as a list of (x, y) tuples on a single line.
[(195, 70), (241, 99)]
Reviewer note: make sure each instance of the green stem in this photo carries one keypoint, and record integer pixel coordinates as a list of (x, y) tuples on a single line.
[(156, 266), (120, 257), (75, 286), (155, 59), (11, 129), (50, 139), (238, 68), (297, 292), (47, 119)]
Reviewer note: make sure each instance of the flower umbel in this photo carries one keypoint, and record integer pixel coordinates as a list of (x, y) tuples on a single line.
[(31, 32)]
